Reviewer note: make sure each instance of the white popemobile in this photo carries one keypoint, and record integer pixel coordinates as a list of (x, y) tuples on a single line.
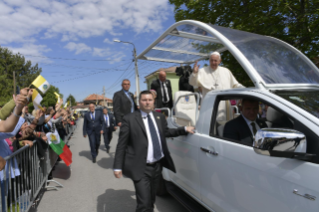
[(279, 172)]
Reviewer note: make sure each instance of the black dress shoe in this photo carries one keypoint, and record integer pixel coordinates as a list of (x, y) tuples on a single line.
[(108, 150), (94, 160)]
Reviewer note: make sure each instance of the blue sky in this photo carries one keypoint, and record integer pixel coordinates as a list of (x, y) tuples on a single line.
[(69, 38)]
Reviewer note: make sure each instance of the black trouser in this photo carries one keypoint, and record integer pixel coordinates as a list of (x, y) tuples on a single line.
[(107, 135), (146, 187), (95, 140)]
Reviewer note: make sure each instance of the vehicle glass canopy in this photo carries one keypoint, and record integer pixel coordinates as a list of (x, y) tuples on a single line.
[(275, 61), (272, 61), (307, 100)]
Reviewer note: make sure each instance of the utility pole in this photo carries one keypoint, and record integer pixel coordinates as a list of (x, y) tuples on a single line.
[(137, 77)]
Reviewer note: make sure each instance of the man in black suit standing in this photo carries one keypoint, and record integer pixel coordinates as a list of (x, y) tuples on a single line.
[(163, 88), (92, 126), (123, 102), (243, 128), (142, 150), (108, 128)]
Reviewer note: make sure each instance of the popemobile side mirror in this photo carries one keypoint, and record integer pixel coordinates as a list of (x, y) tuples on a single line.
[(279, 142)]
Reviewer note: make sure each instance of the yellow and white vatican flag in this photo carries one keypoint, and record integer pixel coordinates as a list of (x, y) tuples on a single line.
[(66, 104), (58, 96), (36, 99), (41, 84)]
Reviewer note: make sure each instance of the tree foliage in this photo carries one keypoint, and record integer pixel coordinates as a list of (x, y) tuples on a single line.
[(295, 22), (71, 97), (25, 73)]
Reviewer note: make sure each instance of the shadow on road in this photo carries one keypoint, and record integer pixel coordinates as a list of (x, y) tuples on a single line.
[(86, 153), (106, 163), (61, 171), (116, 201)]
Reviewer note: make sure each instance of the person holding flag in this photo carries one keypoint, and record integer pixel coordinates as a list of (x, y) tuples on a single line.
[(42, 84)]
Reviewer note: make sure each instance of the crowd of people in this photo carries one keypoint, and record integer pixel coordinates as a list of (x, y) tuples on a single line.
[(19, 128)]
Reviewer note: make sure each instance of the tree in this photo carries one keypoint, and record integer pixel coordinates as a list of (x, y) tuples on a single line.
[(295, 22), (25, 73), (49, 98), (70, 97)]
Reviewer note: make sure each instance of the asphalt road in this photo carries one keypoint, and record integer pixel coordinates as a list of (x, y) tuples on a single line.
[(91, 186)]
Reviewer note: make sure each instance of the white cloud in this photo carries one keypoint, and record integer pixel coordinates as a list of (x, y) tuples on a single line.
[(101, 52), (32, 52), (106, 40), (78, 47), (22, 20)]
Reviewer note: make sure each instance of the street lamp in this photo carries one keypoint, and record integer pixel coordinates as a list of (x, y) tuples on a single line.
[(137, 78)]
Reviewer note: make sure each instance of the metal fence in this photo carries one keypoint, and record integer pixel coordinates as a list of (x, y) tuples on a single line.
[(26, 174)]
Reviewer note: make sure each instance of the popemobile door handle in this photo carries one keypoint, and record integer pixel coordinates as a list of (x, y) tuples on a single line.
[(209, 151)]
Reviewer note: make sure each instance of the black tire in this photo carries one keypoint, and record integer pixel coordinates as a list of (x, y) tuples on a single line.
[(161, 189)]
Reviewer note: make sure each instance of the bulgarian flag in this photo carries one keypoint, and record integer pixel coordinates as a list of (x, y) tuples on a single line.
[(41, 83), (59, 147)]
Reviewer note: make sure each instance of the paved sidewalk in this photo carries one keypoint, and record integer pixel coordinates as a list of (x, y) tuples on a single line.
[(91, 186)]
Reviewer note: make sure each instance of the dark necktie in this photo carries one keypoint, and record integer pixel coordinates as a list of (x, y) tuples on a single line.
[(254, 127), (164, 92), (156, 145)]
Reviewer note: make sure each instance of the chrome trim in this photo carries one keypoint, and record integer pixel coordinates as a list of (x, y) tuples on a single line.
[(280, 142), (209, 151)]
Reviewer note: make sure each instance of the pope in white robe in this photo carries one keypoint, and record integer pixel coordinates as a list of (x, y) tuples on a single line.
[(214, 77)]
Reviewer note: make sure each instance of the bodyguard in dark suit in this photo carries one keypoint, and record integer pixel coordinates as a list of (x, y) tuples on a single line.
[(163, 88), (108, 128), (92, 126), (244, 127), (123, 102), (142, 150)]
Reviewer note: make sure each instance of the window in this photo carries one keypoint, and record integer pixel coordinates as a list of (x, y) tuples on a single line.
[(232, 118)]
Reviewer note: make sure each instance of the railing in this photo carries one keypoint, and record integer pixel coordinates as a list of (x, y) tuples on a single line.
[(26, 174)]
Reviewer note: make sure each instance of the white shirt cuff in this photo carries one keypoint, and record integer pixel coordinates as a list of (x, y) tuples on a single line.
[(117, 170)]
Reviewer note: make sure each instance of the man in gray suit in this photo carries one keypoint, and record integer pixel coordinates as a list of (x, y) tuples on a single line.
[(108, 128), (123, 102)]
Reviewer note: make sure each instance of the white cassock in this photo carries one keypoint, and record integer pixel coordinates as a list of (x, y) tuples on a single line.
[(219, 79)]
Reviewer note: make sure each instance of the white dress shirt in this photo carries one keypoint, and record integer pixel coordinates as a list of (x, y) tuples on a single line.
[(251, 127), (150, 151), (93, 115), (107, 120)]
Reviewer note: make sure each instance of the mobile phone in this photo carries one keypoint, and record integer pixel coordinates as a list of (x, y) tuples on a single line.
[(17, 89)]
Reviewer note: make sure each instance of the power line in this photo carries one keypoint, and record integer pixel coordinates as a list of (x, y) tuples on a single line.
[(118, 79), (61, 58), (88, 74)]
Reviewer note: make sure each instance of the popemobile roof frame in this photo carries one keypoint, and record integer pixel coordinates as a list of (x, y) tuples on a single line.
[(269, 62)]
